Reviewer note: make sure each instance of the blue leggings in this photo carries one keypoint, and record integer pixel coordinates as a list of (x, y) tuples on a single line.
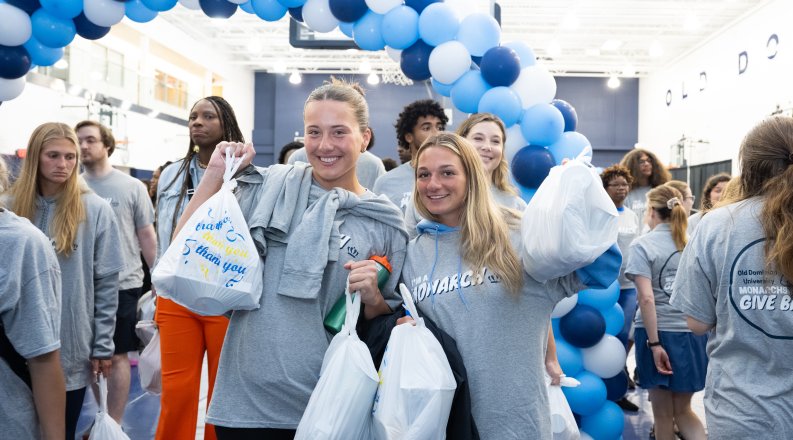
[(627, 301)]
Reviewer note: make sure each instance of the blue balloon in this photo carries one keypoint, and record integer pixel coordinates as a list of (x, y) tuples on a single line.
[(292, 3), (414, 61), (159, 5), (368, 32), (248, 7), (524, 51), (531, 165), (616, 386), (52, 31), (468, 91), (136, 11), (582, 327), (526, 193), (29, 6), (542, 124), (502, 102), (588, 397), (570, 145), (348, 10), (14, 62), (88, 30), (500, 66), (441, 88), (570, 358), (401, 27), (479, 32), (601, 299), (346, 28), (615, 319), (568, 113), (297, 14), (42, 55), (438, 24), (218, 8), (268, 10), (67, 9), (419, 5), (607, 423)]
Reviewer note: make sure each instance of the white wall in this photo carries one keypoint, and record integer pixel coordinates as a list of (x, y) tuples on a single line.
[(730, 104)]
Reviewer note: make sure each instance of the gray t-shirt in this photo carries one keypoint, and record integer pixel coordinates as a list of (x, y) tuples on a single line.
[(89, 285), (654, 256), (368, 168), (693, 221), (272, 356), (637, 201), (723, 281), (30, 313), (132, 206), (168, 188), (501, 336), (629, 228), (397, 185)]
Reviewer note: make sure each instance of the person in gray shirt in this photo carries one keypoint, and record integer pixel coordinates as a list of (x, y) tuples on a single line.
[(734, 281), (648, 172), (418, 121), (82, 229), (134, 217)]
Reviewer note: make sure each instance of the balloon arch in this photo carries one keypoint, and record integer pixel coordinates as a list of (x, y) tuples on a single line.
[(465, 60)]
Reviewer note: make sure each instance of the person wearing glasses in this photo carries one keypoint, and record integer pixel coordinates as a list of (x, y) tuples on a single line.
[(685, 190), (647, 173)]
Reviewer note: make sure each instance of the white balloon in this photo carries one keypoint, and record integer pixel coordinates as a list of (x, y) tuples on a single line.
[(515, 141), (103, 12), (535, 85), (394, 54), (606, 358), (190, 4), (449, 61), (564, 306), (16, 28), (317, 15), (382, 6), (585, 436), (11, 88)]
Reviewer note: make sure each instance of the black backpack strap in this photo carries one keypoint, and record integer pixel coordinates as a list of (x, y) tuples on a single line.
[(18, 364)]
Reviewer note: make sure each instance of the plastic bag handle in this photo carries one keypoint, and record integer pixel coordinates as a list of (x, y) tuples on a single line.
[(407, 298), (353, 301), (102, 385), (232, 165)]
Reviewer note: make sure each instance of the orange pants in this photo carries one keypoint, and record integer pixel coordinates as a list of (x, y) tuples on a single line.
[(184, 337)]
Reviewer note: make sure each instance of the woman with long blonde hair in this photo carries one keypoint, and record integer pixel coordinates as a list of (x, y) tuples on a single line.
[(82, 229)]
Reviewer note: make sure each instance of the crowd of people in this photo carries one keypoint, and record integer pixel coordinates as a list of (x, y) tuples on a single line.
[(694, 287)]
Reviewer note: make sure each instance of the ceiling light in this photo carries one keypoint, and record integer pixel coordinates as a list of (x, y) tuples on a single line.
[(295, 78), (554, 49), (613, 82), (692, 23), (656, 50), (61, 64), (611, 45), (373, 79), (570, 22), (365, 67)]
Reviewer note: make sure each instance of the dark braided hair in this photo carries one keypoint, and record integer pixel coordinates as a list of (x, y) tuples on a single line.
[(231, 133)]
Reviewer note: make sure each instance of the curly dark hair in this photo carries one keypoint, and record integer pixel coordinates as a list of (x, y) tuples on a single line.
[(410, 115), (615, 171), (631, 161), (706, 203)]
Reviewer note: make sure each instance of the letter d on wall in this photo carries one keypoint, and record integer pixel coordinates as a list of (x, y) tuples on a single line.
[(743, 62)]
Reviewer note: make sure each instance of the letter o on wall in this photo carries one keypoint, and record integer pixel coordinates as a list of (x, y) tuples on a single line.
[(668, 98)]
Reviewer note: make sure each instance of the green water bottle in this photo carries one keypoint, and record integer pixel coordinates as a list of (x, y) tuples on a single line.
[(335, 319)]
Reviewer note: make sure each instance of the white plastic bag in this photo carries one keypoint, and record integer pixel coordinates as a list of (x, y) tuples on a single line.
[(416, 383), (146, 306), (340, 407), (212, 266), (569, 222), (563, 423), (149, 362), (105, 428)]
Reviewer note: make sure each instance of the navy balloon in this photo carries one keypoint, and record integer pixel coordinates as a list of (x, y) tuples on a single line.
[(582, 327), (500, 66), (531, 166), (477, 61), (14, 62), (348, 10), (419, 5), (218, 8), (414, 61), (616, 386), (297, 13), (568, 113), (29, 6), (88, 30)]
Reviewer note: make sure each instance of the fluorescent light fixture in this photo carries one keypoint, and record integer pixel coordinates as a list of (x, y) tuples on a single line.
[(295, 78), (373, 79), (611, 45), (613, 82)]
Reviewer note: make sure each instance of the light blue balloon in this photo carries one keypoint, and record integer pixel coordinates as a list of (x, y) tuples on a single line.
[(268, 10), (159, 5), (52, 31), (66, 9), (601, 299), (248, 7), (607, 423), (468, 91), (346, 28), (401, 27), (542, 124), (502, 102), (587, 398), (479, 32), (368, 32), (438, 24), (136, 11), (292, 3), (570, 358), (441, 88), (526, 193), (42, 55), (525, 53), (570, 145), (615, 319)]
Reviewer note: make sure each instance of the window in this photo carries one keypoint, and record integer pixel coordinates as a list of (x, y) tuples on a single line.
[(170, 90), (106, 65)]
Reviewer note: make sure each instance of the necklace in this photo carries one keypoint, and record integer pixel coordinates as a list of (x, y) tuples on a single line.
[(201, 165)]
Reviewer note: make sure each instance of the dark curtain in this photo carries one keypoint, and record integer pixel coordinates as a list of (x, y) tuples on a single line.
[(697, 175)]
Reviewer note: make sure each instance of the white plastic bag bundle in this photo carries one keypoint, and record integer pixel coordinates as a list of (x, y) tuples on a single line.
[(340, 407), (149, 362), (212, 265), (105, 428), (563, 422), (569, 222), (146, 306), (416, 383)]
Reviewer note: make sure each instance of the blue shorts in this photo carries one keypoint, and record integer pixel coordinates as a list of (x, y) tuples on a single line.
[(686, 354)]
